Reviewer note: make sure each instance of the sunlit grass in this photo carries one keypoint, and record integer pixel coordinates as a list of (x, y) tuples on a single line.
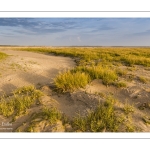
[(19, 102), (120, 84), (105, 73), (102, 119), (143, 79), (2, 55), (69, 81)]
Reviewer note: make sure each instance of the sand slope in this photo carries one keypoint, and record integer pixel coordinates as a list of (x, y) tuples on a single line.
[(23, 68)]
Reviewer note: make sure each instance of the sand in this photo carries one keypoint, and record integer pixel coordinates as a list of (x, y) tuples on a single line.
[(23, 68), (27, 68)]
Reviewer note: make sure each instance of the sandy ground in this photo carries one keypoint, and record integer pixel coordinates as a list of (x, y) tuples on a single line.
[(27, 68)]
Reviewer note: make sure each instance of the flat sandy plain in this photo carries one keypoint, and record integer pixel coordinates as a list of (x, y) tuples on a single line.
[(22, 68)]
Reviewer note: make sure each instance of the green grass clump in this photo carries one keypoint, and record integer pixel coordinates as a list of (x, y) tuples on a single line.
[(120, 84), (121, 72), (108, 75), (70, 81), (143, 79), (29, 91), (2, 55), (50, 115), (103, 118), (6, 108), (128, 108), (81, 76), (21, 100)]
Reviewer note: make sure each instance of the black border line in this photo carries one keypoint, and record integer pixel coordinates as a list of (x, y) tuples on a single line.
[(99, 132)]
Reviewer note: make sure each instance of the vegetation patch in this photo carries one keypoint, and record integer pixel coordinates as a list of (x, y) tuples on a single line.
[(121, 72), (143, 79), (102, 119), (3, 55), (70, 81), (120, 84), (128, 108), (22, 99), (105, 73), (49, 115)]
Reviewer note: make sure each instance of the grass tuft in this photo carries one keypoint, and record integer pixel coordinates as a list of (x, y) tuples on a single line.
[(128, 108), (120, 84), (3, 55), (70, 81), (21, 100), (102, 119), (143, 79)]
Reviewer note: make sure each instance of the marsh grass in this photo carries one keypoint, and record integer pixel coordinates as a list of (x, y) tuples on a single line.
[(70, 81), (102, 119), (51, 115), (3, 55), (128, 108), (81, 76), (143, 79), (22, 99), (121, 72), (146, 120), (95, 62), (120, 84), (107, 74), (125, 55)]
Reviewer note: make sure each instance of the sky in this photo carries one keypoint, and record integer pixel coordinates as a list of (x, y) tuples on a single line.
[(75, 31)]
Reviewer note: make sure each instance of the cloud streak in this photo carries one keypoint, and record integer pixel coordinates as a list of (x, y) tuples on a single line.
[(75, 31)]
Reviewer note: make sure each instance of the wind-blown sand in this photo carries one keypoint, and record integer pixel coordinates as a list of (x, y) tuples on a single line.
[(23, 68)]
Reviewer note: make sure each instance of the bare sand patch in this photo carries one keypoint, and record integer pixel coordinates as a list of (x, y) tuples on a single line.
[(23, 68)]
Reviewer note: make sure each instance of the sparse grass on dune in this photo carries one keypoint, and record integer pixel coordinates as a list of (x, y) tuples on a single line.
[(143, 79), (2, 55), (120, 84), (19, 102), (51, 115), (102, 119)]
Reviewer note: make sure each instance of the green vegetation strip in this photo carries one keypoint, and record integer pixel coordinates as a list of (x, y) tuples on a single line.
[(126, 55)]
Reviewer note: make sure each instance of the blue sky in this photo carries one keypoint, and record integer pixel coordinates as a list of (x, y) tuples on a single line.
[(75, 31)]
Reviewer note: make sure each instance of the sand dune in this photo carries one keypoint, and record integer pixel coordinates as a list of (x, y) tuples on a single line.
[(23, 68)]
